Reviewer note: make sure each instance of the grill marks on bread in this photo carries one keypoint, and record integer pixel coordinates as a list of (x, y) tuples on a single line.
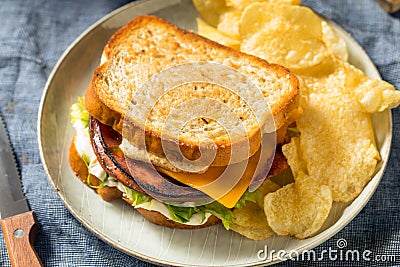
[(148, 45)]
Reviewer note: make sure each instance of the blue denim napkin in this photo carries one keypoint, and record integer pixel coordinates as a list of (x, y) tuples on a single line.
[(34, 34)]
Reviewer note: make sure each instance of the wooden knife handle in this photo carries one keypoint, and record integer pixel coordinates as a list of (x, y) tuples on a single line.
[(20, 233)]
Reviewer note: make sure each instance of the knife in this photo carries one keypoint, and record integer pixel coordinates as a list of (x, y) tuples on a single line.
[(18, 222)]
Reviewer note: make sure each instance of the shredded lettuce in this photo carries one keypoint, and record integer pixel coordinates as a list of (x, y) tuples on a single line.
[(86, 159), (181, 214), (255, 197), (219, 211), (79, 112), (293, 132), (96, 186), (136, 197)]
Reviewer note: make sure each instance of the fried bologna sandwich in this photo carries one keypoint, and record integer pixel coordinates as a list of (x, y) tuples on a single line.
[(113, 165)]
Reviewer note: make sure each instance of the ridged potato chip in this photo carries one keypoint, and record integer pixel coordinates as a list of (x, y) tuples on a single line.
[(293, 154), (335, 43), (250, 219), (298, 209), (229, 20), (342, 77), (245, 216), (210, 10), (254, 234), (242, 4), (229, 23), (337, 143), (329, 76), (374, 95), (212, 33), (336, 134), (320, 71), (288, 35), (334, 155)]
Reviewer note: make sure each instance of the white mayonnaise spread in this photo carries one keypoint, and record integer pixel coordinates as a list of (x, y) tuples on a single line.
[(155, 205)]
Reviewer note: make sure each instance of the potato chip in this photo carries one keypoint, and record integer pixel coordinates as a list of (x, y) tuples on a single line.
[(288, 35), (323, 69), (337, 143), (293, 154), (213, 34), (210, 10), (242, 4), (245, 216), (228, 3), (298, 209), (341, 77), (337, 139), (228, 17), (254, 234), (329, 76), (250, 219), (229, 24), (334, 156), (335, 43), (374, 95)]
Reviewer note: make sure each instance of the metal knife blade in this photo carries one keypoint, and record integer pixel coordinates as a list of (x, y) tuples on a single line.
[(12, 198), (17, 221)]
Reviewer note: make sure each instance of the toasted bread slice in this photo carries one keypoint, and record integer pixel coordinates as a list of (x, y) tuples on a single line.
[(148, 45)]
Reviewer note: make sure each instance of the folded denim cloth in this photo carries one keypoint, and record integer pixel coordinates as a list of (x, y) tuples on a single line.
[(34, 34), (390, 6)]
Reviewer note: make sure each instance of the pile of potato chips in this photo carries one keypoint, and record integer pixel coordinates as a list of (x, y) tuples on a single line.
[(334, 155)]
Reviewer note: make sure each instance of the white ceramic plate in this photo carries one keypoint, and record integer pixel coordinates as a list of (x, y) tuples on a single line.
[(117, 223)]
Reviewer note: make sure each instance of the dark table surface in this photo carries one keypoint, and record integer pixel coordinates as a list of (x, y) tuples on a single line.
[(34, 34)]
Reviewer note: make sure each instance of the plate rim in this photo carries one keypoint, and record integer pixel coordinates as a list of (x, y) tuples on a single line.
[(164, 262)]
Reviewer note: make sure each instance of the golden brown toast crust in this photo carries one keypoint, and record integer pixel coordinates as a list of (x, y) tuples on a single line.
[(109, 117), (206, 50), (101, 112), (191, 37)]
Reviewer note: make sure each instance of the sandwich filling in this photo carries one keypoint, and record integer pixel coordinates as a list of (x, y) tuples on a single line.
[(207, 181), (187, 214), (191, 215)]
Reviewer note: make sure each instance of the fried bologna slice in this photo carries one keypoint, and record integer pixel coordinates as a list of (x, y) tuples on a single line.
[(112, 193)]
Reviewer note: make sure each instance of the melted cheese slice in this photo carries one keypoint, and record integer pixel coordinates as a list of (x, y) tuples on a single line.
[(225, 184)]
